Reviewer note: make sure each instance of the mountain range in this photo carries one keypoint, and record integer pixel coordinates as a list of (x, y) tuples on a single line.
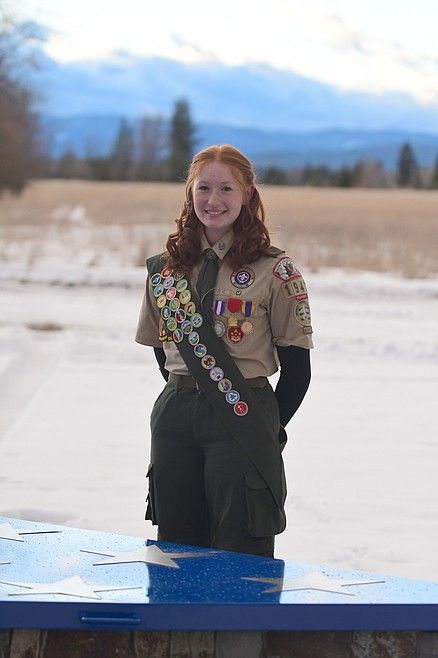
[(278, 117)]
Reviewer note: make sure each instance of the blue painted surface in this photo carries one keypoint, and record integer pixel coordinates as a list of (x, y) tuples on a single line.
[(202, 590)]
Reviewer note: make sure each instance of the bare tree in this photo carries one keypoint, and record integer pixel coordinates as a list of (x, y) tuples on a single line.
[(151, 148)]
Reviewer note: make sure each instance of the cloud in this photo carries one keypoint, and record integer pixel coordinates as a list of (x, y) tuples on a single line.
[(193, 50)]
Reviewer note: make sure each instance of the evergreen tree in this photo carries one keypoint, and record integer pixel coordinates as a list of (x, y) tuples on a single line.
[(182, 141), (274, 176), (434, 178), (408, 174), (122, 155)]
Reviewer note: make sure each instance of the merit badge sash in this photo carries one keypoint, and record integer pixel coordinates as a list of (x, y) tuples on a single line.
[(218, 377)]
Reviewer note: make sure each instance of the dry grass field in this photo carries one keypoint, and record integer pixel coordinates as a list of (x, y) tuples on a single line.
[(96, 223)]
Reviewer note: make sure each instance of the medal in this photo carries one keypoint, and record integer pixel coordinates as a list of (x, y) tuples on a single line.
[(234, 304), (232, 321), (219, 328), (248, 308), (246, 327), (219, 306)]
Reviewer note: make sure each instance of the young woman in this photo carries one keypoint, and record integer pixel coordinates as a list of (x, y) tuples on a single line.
[(223, 309)]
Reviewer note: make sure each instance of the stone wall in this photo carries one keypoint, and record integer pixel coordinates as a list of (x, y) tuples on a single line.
[(222, 644)]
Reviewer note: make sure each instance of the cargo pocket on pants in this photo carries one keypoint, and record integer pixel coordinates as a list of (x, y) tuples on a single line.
[(150, 500), (264, 517)]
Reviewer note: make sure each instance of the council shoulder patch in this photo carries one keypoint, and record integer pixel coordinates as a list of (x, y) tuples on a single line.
[(284, 269)]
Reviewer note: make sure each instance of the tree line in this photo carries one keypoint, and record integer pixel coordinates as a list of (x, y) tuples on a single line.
[(154, 149)]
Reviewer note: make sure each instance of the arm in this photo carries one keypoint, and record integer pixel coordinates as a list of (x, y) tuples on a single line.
[(161, 360), (294, 380)]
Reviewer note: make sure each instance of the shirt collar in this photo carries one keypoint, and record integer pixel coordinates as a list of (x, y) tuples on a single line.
[(221, 247)]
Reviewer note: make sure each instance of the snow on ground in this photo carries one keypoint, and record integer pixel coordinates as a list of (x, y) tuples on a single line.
[(361, 460)]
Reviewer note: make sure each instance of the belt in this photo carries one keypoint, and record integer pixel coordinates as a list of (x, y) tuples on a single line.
[(186, 381)]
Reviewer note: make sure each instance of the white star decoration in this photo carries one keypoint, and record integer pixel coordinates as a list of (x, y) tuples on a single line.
[(148, 555), (9, 532), (312, 580), (73, 586)]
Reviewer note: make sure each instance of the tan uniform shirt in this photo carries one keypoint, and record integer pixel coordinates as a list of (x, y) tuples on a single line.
[(255, 308)]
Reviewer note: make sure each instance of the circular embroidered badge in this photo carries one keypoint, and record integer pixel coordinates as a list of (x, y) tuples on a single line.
[(158, 290), (174, 304), (178, 275), (171, 324), (232, 397), (185, 296), (165, 272), (187, 327), (161, 301), (180, 315), (168, 282), (178, 335), (190, 308), (216, 374), (171, 293), (225, 385), (241, 408), (181, 285), (235, 334), (197, 320), (200, 350), (165, 313), (193, 338), (156, 279), (242, 278), (219, 328), (302, 314), (208, 362)]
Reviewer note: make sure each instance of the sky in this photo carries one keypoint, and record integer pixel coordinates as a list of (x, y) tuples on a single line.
[(374, 46)]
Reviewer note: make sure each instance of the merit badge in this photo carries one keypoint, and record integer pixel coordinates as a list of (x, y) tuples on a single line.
[(232, 397), (200, 350), (155, 279), (165, 312), (174, 304), (190, 307), (224, 385), (234, 305), (241, 408), (181, 285), (171, 293), (161, 301), (302, 313), (242, 278), (168, 282), (248, 308), (180, 315), (186, 326), (284, 269), (178, 275), (235, 334), (185, 296), (246, 327), (177, 335), (171, 324), (193, 338), (158, 290), (219, 328), (197, 320), (216, 374), (219, 306), (208, 362), (165, 272)]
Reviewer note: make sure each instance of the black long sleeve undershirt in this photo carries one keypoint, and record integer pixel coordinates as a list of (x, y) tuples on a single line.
[(294, 380)]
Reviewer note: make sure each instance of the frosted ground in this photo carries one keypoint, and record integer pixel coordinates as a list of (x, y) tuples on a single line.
[(76, 394)]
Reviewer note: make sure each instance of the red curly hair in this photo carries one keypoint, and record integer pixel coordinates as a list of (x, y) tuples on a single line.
[(251, 235)]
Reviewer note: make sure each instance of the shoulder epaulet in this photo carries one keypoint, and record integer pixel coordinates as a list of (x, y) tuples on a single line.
[(275, 251)]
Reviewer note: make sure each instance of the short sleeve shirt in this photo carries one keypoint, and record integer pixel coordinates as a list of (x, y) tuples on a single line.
[(255, 308)]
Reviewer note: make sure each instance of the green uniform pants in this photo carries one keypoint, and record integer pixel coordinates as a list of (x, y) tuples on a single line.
[(203, 490)]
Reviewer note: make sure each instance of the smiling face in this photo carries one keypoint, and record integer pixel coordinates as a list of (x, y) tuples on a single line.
[(217, 198)]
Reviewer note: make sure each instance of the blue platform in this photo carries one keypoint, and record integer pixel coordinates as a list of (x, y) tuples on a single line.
[(58, 577)]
